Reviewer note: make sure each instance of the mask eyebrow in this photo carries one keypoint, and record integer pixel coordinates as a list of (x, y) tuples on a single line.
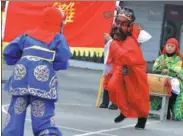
[(119, 21)]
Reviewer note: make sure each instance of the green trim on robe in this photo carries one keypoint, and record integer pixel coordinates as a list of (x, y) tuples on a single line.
[(174, 67)]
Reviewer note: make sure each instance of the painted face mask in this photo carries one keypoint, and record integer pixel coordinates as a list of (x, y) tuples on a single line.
[(122, 23)]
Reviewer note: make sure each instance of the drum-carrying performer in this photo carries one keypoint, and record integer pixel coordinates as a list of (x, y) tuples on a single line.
[(126, 81), (138, 33), (37, 55), (170, 63)]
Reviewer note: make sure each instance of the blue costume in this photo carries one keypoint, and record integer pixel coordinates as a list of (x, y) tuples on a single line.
[(34, 81)]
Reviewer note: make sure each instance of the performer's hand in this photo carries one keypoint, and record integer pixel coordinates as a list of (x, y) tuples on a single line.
[(164, 72), (107, 37), (163, 64)]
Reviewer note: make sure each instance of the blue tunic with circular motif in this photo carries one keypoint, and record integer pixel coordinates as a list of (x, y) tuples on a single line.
[(35, 65)]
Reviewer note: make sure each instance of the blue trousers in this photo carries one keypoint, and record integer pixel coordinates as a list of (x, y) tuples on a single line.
[(42, 113)]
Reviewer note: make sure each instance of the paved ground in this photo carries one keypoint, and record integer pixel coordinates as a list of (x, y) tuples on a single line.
[(76, 114)]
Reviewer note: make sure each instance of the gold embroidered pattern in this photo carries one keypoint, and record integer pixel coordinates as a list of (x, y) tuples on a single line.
[(51, 94), (19, 72), (38, 108), (42, 73), (20, 105)]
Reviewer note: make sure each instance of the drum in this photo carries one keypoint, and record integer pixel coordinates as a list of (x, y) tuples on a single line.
[(159, 84)]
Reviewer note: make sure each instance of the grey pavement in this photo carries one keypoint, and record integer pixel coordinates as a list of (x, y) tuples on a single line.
[(76, 114)]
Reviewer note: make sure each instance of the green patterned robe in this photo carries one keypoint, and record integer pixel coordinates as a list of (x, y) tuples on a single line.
[(174, 67)]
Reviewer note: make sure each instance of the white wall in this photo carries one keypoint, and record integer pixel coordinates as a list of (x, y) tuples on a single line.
[(150, 15)]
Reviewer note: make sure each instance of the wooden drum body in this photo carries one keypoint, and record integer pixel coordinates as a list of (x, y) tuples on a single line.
[(159, 84)]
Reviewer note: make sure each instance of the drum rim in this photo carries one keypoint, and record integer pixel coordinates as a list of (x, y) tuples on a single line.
[(159, 75)]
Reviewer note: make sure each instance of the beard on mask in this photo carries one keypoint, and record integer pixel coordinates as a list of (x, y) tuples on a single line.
[(118, 34)]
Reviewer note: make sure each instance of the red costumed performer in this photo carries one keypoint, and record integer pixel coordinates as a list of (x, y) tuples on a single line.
[(127, 80)]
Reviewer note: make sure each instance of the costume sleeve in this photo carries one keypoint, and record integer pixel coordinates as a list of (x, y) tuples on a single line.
[(130, 54), (135, 31), (106, 51), (109, 53), (176, 68), (62, 54), (107, 66), (13, 51), (143, 36), (157, 65)]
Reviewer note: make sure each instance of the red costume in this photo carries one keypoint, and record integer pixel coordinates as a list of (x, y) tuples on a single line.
[(126, 81), (131, 92), (135, 31)]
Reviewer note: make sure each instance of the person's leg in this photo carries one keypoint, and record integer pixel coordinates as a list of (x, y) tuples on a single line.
[(141, 123), (171, 104), (172, 100), (15, 117), (105, 100), (176, 100), (42, 113), (113, 107), (119, 118)]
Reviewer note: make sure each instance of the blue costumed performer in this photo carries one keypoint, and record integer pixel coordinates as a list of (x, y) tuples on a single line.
[(37, 55)]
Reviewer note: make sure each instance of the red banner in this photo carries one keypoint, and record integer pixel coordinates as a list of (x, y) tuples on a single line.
[(85, 26)]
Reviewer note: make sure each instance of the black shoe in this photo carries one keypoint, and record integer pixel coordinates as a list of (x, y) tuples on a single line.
[(119, 118), (103, 105), (113, 107), (141, 123)]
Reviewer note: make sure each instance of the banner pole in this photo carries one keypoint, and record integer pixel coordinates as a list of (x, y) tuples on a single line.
[(99, 92)]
